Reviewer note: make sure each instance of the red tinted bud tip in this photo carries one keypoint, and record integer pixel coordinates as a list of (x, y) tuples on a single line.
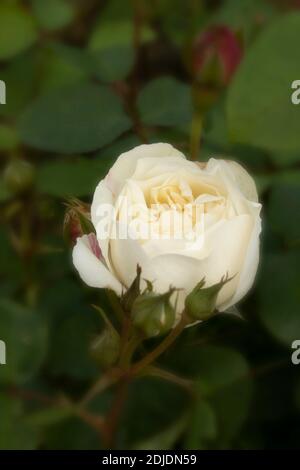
[(217, 53), (77, 222)]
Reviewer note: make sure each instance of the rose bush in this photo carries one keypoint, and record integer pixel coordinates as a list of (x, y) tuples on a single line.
[(179, 220)]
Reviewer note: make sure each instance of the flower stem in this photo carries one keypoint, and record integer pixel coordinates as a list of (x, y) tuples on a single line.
[(105, 381), (196, 133), (169, 377), (161, 348), (113, 417)]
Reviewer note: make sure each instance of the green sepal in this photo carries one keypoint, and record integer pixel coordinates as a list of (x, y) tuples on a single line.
[(132, 292), (153, 313), (200, 304)]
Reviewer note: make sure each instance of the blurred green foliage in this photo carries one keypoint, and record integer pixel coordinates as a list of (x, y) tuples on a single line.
[(87, 80)]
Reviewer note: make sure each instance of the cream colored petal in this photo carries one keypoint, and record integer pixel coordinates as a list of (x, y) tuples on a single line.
[(125, 255), (244, 181), (91, 269), (125, 165), (238, 174), (230, 244), (102, 215), (250, 266)]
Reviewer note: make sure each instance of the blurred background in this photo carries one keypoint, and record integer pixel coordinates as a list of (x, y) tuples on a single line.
[(85, 81)]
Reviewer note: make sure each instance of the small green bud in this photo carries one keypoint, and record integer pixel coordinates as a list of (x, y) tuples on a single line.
[(105, 348), (18, 176), (201, 302), (153, 313), (133, 292)]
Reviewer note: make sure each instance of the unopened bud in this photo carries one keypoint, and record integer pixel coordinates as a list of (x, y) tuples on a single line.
[(105, 348), (19, 176), (200, 304), (153, 313), (216, 55), (77, 221)]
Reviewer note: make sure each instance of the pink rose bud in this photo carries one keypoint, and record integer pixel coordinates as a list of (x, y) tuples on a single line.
[(77, 221), (217, 53)]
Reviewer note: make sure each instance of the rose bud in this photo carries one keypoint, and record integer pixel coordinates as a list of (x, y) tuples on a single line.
[(153, 314), (216, 55), (200, 304), (77, 221), (19, 176), (185, 222), (105, 348)]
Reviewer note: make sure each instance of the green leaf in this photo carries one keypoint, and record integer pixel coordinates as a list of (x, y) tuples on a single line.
[(53, 14), (116, 33), (18, 30), (224, 384), (165, 439), (246, 15), (111, 48), (48, 416), (284, 211), (74, 119), (111, 152), (20, 92), (283, 159), (149, 410), (165, 102), (63, 65), (287, 177), (77, 177), (71, 434), (25, 335), (260, 111), (202, 427), (71, 336), (113, 63), (11, 265), (15, 434), (4, 193), (8, 138), (279, 295)]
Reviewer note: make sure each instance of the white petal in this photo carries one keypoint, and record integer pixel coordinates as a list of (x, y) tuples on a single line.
[(249, 269), (91, 269), (238, 174), (244, 181), (126, 254), (230, 244), (102, 199), (125, 165)]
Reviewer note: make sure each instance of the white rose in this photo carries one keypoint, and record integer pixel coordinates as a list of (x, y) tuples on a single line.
[(218, 202)]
